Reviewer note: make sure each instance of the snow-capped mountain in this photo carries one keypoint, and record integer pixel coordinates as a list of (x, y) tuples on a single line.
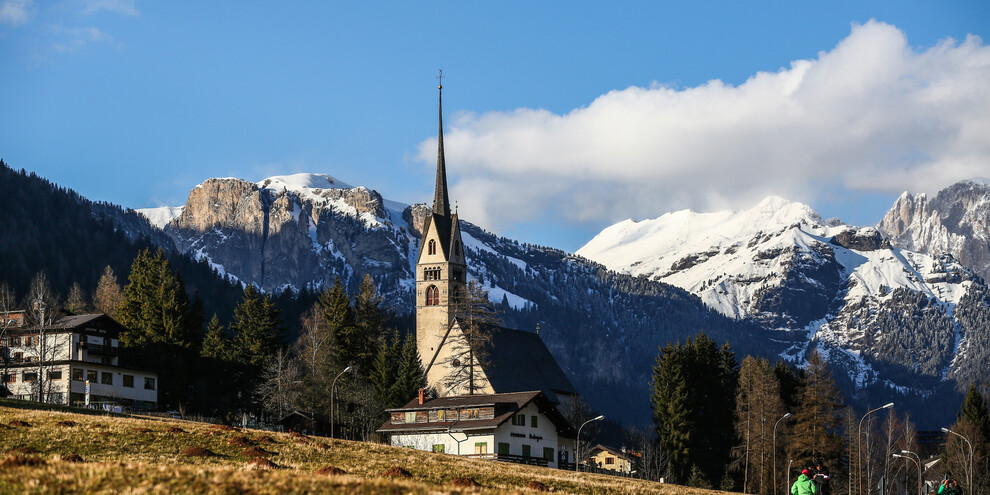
[(956, 221), (780, 264), (293, 231)]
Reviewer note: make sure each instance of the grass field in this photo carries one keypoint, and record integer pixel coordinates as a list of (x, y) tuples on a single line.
[(56, 451)]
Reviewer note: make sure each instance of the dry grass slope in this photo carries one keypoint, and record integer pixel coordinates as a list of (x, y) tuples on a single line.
[(117, 454)]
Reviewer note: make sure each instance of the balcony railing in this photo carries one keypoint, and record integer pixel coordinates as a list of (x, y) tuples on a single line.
[(106, 350)]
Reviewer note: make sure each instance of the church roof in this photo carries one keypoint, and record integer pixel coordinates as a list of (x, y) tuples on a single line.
[(521, 361)]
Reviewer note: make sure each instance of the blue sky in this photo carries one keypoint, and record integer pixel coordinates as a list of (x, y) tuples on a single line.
[(562, 117)]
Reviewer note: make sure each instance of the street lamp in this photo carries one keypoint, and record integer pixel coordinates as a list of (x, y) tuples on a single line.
[(970, 474), (789, 471), (859, 441), (333, 388), (577, 443), (775, 451), (916, 463)]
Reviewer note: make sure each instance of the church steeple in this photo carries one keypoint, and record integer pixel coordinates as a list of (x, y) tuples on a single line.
[(441, 203)]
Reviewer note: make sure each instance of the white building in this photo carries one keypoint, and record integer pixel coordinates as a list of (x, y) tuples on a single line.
[(56, 363), (523, 427)]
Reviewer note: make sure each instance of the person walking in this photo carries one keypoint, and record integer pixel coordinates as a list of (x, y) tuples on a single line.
[(822, 478), (804, 484)]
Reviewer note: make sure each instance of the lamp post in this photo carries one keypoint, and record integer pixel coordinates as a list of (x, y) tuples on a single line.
[(859, 442), (789, 471), (577, 443), (775, 451), (333, 388), (970, 474), (917, 460)]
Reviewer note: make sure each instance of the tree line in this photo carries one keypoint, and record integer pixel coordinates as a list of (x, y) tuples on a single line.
[(750, 425), (252, 365)]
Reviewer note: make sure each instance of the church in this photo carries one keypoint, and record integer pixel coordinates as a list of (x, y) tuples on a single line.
[(504, 375)]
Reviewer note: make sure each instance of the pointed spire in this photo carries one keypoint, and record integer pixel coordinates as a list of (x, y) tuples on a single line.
[(441, 203)]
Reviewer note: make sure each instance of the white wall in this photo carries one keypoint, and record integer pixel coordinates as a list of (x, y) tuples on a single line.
[(451, 443), (544, 435), (117, 389)]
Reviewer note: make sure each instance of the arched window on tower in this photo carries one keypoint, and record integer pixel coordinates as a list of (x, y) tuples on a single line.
[(432, 296), (432, 247), (457, 248)]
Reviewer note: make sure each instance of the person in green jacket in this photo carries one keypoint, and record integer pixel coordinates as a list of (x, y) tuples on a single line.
[(804, 485)]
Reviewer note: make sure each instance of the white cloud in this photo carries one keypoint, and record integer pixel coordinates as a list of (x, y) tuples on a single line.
[(871, 114), (123, 7), (71, 40), (15, 12)]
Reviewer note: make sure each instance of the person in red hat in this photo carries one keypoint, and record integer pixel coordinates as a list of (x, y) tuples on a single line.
[(804, 484)]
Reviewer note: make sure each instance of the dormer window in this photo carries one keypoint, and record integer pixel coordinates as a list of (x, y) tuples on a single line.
[(431, 247)]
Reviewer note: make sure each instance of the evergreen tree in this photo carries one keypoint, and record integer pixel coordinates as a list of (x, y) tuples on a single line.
[(410, 373), (334, 306), (693, 397), (256, 328), (369, 322), (383, 371), (158, 334), (973, 423), (216, 345)]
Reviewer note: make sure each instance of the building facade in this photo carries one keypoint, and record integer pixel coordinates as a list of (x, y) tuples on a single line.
[(523, 427), (74, 361)]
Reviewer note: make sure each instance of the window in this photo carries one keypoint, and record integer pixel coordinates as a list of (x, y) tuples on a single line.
[(411, 417), (459, 275), (441, 415), (525, 449), (548, 453), (481, 447), (503, 448), (438, 448), (106, 378), (519, 420), (457, 248), (532, 422), (77, 374), (55, 375), (91, 376), (31, 377), (149, 383), (432, 247), (472, 413), (11, 378), (432, 296), (431, 273), (129, 381), (610, 460)]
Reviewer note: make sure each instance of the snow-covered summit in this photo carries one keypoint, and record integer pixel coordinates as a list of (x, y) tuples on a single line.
[(161, 215), (301, 182)]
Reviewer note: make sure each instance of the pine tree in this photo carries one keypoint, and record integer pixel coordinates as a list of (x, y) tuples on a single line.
[(158, 334), (108, 295), (672, 410), (369, 322), (216, 345), (334, 306), (410, 373), (256, 328), (383, 371), (972, 423), (758, 407)]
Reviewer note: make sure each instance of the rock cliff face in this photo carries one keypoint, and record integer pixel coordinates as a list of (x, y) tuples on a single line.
[(293, 232), (956, 222)]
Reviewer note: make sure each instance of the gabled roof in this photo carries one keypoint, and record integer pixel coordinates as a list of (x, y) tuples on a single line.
[(73, 322), (506, 405), (519, 360), (611, 450)]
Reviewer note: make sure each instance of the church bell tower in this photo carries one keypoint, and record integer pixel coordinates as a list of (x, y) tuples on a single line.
[(441, 270)]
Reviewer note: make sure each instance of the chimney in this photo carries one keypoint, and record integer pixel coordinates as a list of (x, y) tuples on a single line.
[(422, 393)]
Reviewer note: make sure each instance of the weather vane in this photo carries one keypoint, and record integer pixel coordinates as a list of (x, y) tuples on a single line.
[(440, 77)]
